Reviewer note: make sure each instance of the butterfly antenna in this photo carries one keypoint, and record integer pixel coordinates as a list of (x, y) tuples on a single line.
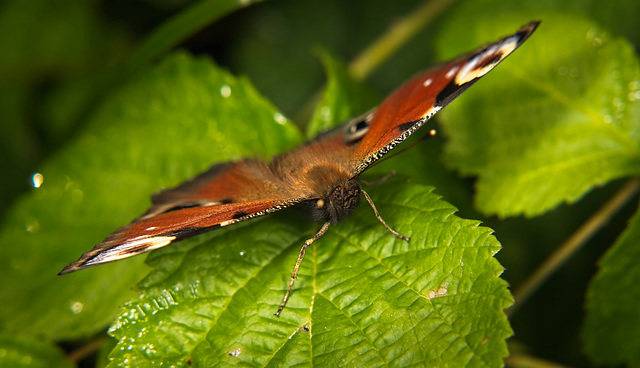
[(431, 133), (375, 211), (294, 274), (378, 181)]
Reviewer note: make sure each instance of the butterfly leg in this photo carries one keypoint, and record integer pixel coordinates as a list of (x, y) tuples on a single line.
[(294, 274), (375, 211)]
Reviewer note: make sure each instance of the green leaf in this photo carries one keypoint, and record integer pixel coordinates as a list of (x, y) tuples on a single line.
[(182, 26), (612, 322), (556, 119), (102, 355), (23, 352), (362, 297), (343, 98), (57, 53), (163, 128)]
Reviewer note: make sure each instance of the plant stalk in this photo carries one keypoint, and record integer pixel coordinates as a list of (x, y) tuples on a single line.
[(527, 361), (87, 349), (395, 37), (574, 243), (383, 47)]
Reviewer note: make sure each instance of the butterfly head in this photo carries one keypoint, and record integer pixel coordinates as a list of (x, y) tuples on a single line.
[(340, 201)]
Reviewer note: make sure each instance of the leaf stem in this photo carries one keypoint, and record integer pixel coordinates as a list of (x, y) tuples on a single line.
[(180, 27), (86, 349), (527, 361), (395, 37), (574, 243)]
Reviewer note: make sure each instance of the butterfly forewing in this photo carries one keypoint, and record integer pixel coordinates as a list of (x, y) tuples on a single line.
[(415, 102)]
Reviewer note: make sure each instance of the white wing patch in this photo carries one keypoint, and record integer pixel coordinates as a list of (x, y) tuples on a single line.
[(470, 70), (452, 72), (136, 245)]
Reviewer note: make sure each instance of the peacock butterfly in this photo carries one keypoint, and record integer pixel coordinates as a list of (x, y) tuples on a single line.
[(321, 175)]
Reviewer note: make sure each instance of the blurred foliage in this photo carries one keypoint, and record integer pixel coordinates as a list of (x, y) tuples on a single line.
[(546, 134), (21, 351)]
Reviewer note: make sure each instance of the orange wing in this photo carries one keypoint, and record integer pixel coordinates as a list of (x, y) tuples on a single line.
[(224, 195), (415, 102)]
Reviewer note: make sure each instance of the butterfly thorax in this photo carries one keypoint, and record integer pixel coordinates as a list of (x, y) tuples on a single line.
[(340, 201)]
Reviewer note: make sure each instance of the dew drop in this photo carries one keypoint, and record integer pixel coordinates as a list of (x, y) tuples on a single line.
[(279, 118), (37, 180), (194, 288), (595, 40), (32, 226), (225, 91), (235, 353), (168, 298), (140, 311), (76, 307), (149, 350)]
